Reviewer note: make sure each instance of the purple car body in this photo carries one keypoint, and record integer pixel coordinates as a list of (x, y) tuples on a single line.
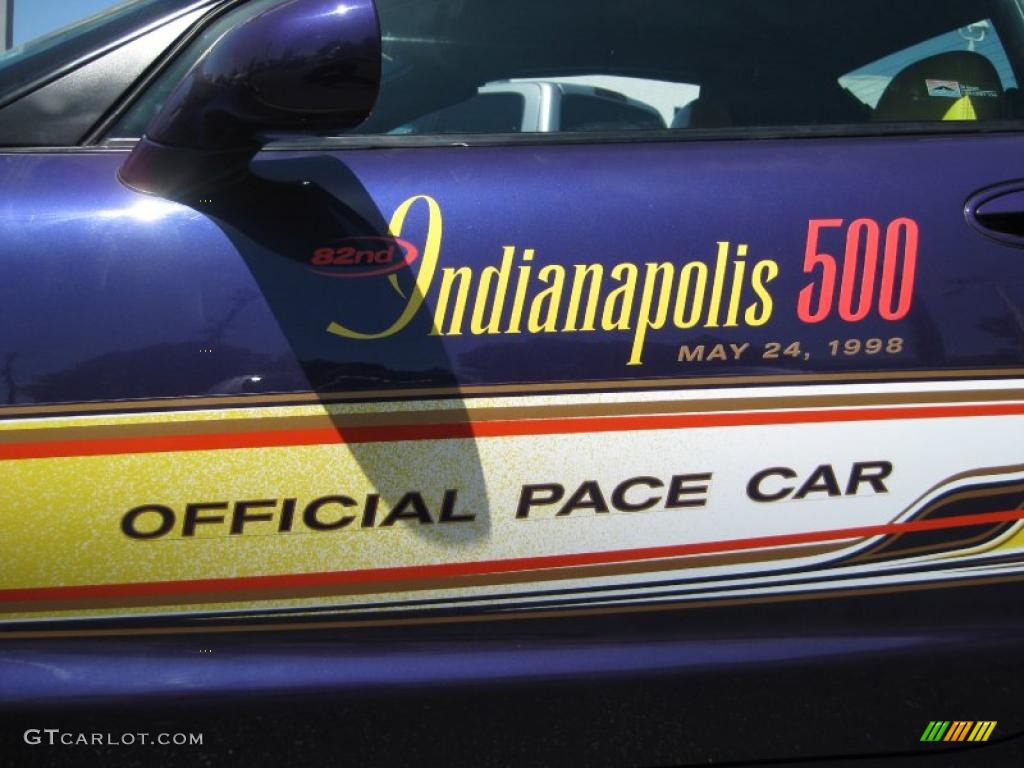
[(162, 297)]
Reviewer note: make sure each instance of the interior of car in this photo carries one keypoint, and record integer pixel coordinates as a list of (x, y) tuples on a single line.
[(827, 68)]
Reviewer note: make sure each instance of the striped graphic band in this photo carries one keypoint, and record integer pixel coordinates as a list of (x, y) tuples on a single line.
[(108, 446), (427, 576), (958, 730)]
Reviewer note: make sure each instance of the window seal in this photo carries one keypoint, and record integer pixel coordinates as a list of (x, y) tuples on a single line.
[(67, 150), (837, 131), (668, 136)]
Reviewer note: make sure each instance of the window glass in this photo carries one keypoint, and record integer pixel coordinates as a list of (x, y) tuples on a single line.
[(606, 110), (491, 66), (487, 112), (668, 98), (34, 18)]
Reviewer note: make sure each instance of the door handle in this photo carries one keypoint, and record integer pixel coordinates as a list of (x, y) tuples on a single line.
[(998, 212)]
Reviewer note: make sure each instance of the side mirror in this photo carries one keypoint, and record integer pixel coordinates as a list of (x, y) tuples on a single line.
[(303, 66)]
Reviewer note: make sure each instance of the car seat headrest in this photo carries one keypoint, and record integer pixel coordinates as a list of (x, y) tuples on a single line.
[(959, 85)]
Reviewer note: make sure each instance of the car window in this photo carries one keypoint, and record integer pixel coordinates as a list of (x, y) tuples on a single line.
[(451, 67), (540, 105), (668, 98), (606, 110), (483, 113), (975, 48)]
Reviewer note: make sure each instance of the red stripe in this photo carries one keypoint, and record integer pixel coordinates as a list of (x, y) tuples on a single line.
[(384, 576), (481, 429)]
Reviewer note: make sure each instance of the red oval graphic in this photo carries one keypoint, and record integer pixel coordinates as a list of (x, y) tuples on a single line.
[(363, 257)]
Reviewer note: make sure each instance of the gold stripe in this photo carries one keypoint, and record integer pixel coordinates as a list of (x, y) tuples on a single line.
[(510, 616), (502, 389), (489, 414), (452, 582)]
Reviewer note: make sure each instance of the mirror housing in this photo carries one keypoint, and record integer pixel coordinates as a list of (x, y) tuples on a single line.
[(301, 66)]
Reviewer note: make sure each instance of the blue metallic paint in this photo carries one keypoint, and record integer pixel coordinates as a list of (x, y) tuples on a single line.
[(117, 292), (116, 668), (301, 65), (144, 284)]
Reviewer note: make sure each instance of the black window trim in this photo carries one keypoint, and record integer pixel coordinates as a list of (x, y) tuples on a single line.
[(922, 130), (685, 135)]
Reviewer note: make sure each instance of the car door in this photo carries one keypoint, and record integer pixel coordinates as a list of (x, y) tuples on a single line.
[(768, 354)]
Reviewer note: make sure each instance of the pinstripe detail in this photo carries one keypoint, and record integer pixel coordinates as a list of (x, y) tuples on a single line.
[(484, 390), (402, 578), (52, 443)]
